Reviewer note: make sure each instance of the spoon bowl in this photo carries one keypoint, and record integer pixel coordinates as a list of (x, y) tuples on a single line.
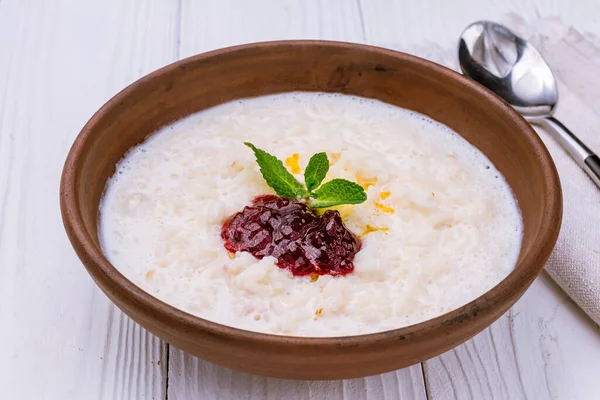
[(511, 67)]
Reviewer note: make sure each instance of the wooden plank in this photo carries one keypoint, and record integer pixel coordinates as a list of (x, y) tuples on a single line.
[(204, 27), (190, 377), (209, 25), (59, 61), (543, 348), (395, 23)]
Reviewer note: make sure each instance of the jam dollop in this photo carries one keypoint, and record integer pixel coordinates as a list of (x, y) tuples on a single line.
[(300, 240)]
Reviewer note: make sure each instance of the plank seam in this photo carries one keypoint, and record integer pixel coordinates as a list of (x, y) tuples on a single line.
[(168, 363), (178, 20), (362, 19), (427, 394)]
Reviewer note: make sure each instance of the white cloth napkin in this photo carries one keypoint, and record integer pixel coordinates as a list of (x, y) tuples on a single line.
[(575, 60)]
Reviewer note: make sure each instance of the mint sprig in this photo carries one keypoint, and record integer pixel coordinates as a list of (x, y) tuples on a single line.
[(277, 176), (333, 193)]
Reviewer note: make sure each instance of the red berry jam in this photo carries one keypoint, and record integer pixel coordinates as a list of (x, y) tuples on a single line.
[(296, 236)]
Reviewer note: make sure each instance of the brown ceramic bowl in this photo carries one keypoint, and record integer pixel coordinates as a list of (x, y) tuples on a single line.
[(251, 70)]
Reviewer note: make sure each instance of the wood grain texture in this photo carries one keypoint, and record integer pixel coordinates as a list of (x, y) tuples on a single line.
[(60, 60), (192, 378), (208, 25), (543, 348), (61, 337), (402, 24)]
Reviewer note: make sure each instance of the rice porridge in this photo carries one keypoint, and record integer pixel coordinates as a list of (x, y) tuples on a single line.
[(440, 225)]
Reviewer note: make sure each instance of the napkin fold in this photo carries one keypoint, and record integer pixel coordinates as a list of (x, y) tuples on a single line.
[(575, 60)]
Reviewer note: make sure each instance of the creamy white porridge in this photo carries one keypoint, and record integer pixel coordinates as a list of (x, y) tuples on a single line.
[(439, 228)]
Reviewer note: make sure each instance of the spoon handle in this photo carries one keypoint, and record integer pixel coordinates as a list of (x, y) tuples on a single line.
[(585, 157)]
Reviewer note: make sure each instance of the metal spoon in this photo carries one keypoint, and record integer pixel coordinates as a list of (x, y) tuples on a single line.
[(508, 65)]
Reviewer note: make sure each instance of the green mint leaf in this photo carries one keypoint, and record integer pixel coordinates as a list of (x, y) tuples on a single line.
[(276, 175), (336, 192), (316, 170)]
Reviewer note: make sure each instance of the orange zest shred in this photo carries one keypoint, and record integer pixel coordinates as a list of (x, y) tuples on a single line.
[(333, 158), (293, 162), (419, 208), (384, 208), (237, 167), (384, 195), (443, 224), (314, 277), (369, 229), (150, 274), (319, 311), (364, 181)]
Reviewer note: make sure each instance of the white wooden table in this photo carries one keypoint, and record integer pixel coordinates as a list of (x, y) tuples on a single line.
[(61, 338)]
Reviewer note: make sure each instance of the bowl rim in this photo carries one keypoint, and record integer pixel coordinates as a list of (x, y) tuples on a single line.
[(99, 266)]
